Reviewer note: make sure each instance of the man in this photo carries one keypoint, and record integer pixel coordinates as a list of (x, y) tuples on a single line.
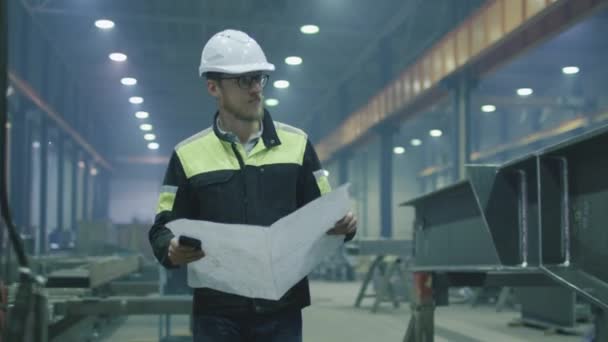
[(245, 169)]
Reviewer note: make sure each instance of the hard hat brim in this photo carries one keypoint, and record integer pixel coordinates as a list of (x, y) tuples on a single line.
[(237, 69)]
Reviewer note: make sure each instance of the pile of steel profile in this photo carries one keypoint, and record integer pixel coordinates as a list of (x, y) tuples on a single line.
[(537, 221), (95, 273)]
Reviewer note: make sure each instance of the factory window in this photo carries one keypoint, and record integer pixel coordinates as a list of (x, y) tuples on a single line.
[(364, 175), (426, 162), (552, 93)]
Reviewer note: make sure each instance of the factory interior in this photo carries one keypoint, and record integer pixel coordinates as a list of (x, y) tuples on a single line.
[(470, 134)]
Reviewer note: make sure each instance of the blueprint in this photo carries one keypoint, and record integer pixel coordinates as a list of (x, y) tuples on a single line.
[(265, 262)]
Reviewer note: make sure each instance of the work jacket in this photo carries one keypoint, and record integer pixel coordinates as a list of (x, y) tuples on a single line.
[(213, 178)]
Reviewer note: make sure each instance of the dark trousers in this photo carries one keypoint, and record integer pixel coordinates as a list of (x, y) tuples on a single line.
[(283, 327)]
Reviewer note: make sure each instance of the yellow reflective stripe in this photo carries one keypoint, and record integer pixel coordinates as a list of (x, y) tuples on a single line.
[(165, 202), (322, 181), (205, 153), (323, 184), (291, 150)]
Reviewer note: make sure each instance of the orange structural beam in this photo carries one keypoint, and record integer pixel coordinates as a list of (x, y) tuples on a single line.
[(560, 129), (30, 93), (495, 33), (143, 160)]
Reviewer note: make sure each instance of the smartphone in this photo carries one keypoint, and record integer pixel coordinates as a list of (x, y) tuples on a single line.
[(190, 242)]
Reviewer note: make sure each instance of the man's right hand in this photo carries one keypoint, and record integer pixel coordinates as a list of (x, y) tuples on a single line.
[(181, 255)]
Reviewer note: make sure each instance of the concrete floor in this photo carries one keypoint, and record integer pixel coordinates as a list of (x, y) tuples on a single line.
[(332, 317)]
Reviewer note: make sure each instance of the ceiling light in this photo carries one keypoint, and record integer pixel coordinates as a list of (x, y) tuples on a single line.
[(570, 70), (136, 100), (524, 91), (271, 102), (281, 84), (94, 172), (153, 146), (416, 142), (118, 57), (142, 115), (488, 108), (435, 133), (10, 91), (36, 144), (293, 60), (104, 24), (399, 150), (81, 164), (128, 81), (309, 29), (145, 127), (149, 137)]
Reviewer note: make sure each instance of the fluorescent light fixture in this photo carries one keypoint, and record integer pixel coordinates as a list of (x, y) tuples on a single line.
[(416, 142), (281, 84), (271, 102), (435, 133), (149, 137), (104, 24), (142, 115), (136, 100), (293, 60), (488, 108), (128, 81), (525, 91), (398, 150), (145, 127), (570, 70), (309, 29), (118, 57), (153, 146)]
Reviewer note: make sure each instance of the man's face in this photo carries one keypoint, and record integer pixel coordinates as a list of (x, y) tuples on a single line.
[(242, 95)]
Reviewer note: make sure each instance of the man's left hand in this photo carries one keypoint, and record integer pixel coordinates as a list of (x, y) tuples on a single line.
[(347, 225)]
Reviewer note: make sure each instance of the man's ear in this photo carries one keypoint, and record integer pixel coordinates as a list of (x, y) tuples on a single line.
[(213, 88)]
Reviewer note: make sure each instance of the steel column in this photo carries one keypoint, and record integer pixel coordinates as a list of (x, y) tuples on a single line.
[(462, 121), (386, 181), (60, 182), (41, 241), (85, 191), (74, 194)]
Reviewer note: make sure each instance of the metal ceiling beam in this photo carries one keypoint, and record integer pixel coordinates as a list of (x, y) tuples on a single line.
[(530, 22), (193, 21), (406, 11)]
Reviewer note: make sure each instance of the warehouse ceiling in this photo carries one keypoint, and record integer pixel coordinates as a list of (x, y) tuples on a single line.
[(360, 47)]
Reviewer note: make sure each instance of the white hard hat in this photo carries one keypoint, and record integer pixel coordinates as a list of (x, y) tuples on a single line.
[(233, 52)]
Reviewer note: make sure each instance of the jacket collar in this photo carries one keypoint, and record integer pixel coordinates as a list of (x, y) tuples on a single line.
[(269, 134)]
